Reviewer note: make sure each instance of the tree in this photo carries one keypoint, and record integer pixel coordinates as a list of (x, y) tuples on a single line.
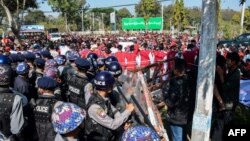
[(193, 15), (168, 12), (70, 9), (122, 13), (13, 9), (148, 8), (105, 12), (179, 19), (34, 17)]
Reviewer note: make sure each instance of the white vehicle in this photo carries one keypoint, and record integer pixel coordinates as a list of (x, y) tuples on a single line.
[(54, 36)]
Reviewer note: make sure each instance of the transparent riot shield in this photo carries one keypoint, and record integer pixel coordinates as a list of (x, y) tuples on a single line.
[(134, 83)]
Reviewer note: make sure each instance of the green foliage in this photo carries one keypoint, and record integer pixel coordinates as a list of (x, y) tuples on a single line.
[(180, 17), (124, 13), (148, 8), (12, 5), (70, 8), (242, 115), (247, 19), (106, 15), (34, 17)]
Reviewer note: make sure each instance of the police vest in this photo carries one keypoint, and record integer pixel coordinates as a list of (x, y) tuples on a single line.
[(93, 130), (42, 113), (6, 102), (76, 93)]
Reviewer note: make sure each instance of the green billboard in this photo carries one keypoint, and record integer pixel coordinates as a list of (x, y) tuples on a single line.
[(154, 23), (133, 23)]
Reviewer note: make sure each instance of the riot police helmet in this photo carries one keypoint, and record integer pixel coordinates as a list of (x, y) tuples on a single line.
[(82, 64), (115, 69), (104, 80), (92, 55), (110, 59), (72, 55), (4, 59)]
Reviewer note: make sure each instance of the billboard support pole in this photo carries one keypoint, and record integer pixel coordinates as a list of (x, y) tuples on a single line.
[(162, 25)]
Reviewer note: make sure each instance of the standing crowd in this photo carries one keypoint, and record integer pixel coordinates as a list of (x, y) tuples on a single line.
[(47, 93)]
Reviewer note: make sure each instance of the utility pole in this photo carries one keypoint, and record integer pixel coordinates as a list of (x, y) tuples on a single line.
[(206, 72), (162, 22), (93, 22), (82, 22), (66, 22), (102, 22), (242, 18)]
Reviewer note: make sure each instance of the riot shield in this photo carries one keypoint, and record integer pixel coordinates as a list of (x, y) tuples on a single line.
[(134, 83)]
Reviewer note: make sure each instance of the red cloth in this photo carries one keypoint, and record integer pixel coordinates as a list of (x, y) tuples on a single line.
[(84, 53), (144, 57), (171, 55), (121, 56), (189, 57), (159, 55), (131, 61), (136, 48)]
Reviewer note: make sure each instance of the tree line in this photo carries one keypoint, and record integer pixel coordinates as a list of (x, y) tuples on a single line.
[(177, 15)]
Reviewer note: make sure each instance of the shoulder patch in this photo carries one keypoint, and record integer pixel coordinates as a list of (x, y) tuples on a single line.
[(101, 113)]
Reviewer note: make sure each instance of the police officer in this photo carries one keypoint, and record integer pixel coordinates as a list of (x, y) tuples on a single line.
[(69, 69), (92, 58), (21, 83), (103, 118), (39, 64), (101, 64), (43, 108), (79, 87), (46, 55), (11, 106), (116, 100)]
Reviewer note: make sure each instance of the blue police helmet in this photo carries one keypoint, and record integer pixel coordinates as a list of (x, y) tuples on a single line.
[(110, 59), (30, 56), (39, 62), (4, 59), (100, 62), (60, 60), (92, 55), (46, 54), (22, 68), (72, 55), (104, 81), (82, 64), (140, 133), (20, 57), (13, 58), (115, 69)]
